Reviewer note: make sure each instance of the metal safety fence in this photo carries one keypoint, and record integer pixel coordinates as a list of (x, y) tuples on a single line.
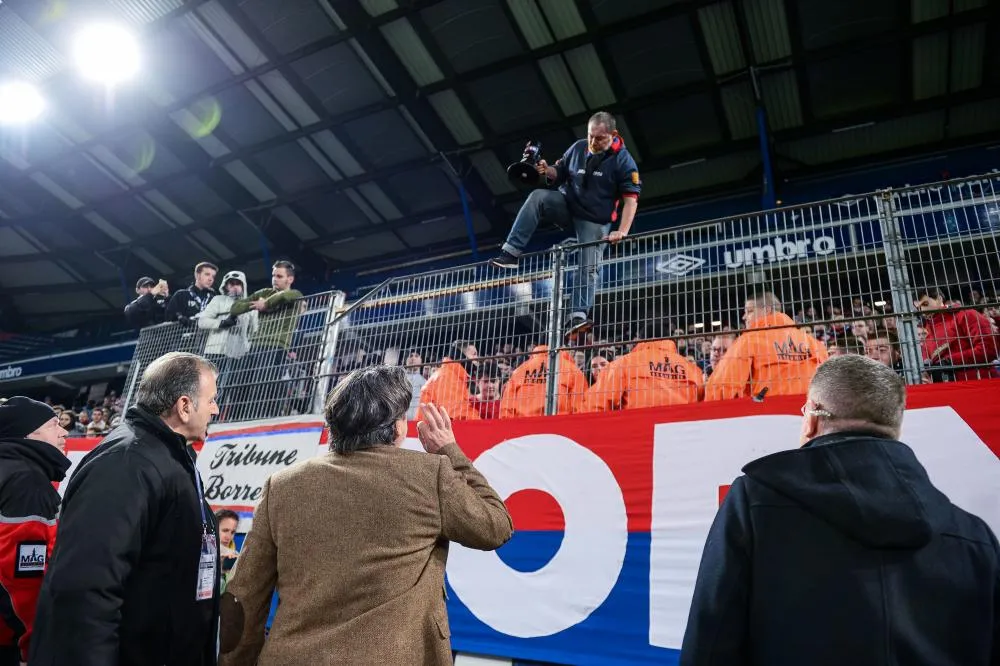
[(737, 307)]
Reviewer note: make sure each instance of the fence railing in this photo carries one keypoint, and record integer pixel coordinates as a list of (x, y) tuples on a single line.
[(744, 306)]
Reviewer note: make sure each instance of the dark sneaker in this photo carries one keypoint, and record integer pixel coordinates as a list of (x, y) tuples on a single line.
[(576, 327), (504, 260)]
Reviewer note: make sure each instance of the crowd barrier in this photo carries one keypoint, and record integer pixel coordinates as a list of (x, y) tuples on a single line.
[(848, 271), (611, 511)]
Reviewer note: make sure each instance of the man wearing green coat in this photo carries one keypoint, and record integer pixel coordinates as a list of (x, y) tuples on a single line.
[(261, 389)]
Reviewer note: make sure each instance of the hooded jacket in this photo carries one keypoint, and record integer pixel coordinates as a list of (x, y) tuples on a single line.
[(594, 185), (121, 586), (233, 342), (961, 337), (29, 506), (844, 552)]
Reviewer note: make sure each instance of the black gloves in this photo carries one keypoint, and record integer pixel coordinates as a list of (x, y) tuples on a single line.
[(228, 322)]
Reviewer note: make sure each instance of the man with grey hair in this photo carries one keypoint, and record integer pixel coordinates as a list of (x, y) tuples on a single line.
[(598, 183), (843, 551), (134, 576), (357, 540)]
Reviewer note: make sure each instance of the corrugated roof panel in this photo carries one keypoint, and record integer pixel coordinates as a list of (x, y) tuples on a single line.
[(780, 94), (623, 129), (26, 55), (561, 82), (292, 101), (13, 243), (928, 10), (529, 19), (967, 46), (966, 5), (294, 223), (336, 151), (738, 102), (456, 117), (380, 201), (493, 173), (417, 129), (722, 37), (370, 66), (725, 169), (877, 138), (140, 12), (167, 207), (411, 51), (212, 244), (150, 259), (363, 205), (564, 18), (319, 158), (978, 118), (363, 248), (249, 180), (768, 28), (379, 7), (590, 75), (229, 32), (930, 65)]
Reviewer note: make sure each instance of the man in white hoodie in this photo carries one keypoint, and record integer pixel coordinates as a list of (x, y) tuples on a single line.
[(230, 334)]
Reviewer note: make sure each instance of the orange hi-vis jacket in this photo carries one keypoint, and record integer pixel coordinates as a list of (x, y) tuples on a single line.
[(653, 374), (783, 360), (525, 392), (448, 387)]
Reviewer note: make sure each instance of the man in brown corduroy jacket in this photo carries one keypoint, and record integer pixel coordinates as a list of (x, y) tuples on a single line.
[(356, 541)]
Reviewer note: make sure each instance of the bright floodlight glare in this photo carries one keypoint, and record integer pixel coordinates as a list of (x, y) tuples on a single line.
[(106, 53), (19, 103)]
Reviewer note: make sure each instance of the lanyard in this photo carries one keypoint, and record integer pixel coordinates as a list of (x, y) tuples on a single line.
[(201, 499)]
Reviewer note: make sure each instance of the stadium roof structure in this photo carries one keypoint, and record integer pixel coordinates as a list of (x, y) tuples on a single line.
[(336, 132)]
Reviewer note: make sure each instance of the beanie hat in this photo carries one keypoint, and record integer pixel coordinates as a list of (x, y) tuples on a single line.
[(21, 416)]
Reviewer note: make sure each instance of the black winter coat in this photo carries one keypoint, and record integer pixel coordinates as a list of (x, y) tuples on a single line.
[(146, 310), (121, 586), (187, 303), (843, 553)]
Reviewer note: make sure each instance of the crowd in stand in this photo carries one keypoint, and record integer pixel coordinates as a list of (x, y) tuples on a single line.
[(91, 418)]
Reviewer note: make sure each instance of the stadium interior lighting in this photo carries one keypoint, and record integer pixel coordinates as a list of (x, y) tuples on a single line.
[(699, 325), (106, 53), (716, 323), (879, 304), (19, 103)]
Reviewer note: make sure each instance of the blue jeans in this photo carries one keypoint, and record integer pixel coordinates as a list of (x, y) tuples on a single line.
[(551, 205)]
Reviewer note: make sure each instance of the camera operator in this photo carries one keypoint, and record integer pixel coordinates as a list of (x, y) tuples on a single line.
[(593, 177), (150, 305)]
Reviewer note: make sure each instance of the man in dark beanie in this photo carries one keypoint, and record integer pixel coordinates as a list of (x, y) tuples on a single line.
[(31, 445)]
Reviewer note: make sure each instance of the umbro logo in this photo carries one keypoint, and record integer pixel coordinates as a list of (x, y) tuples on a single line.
[(679, 264)]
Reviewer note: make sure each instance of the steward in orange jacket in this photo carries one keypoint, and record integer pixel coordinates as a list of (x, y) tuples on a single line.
[(651, 375), (782, 360), (525, 391), (448, 387)]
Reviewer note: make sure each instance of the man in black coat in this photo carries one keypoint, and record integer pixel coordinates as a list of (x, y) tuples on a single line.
[(150, 306), (843, 552), (134, 579), (187, 303), (31, 459)]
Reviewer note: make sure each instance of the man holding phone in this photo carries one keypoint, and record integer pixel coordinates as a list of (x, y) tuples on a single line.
[(149, 307)]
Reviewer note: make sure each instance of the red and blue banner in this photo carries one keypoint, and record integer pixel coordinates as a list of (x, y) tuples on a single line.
[(611, 511)]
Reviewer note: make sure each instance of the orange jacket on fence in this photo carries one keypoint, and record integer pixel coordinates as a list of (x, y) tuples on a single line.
[(448, 387), (653, 374), (783, 360), (524, 394)]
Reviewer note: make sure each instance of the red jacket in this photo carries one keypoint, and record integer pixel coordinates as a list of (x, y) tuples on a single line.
[(961, 337), (28, 508)]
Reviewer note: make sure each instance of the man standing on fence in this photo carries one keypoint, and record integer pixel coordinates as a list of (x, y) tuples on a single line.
[(260, 386), (593, 178)]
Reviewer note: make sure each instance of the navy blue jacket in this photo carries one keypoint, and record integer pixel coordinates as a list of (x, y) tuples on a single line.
[(844, 553), (596, 197)]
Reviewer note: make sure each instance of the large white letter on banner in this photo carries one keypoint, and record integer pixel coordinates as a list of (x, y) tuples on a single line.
[(579, 578), (691, 460)]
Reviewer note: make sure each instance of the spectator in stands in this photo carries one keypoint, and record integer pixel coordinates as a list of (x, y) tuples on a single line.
[(149, 307), (594, 176), (957, 337), (31, 460), (228, 522), (357, 540), (883, 346), (229, 339), (861, 329), (848, 346), (720, 345), (98, 426), (773, 357), (262, 372), (134, 576), (653, 374), (414, 366), (186, 304), (487, 398), (580, 358), (83, 418), (843, 551), (525, 393), (598, 364)]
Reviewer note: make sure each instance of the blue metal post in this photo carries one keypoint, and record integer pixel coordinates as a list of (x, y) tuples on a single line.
[(125, 290), (263, 248), (468, 220), (768, 198)]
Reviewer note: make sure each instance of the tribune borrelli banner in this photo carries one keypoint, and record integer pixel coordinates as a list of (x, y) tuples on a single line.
[(611, 511)]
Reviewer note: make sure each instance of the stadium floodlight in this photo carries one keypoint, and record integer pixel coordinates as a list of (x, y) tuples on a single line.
[(106, 53), (19, 103)]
